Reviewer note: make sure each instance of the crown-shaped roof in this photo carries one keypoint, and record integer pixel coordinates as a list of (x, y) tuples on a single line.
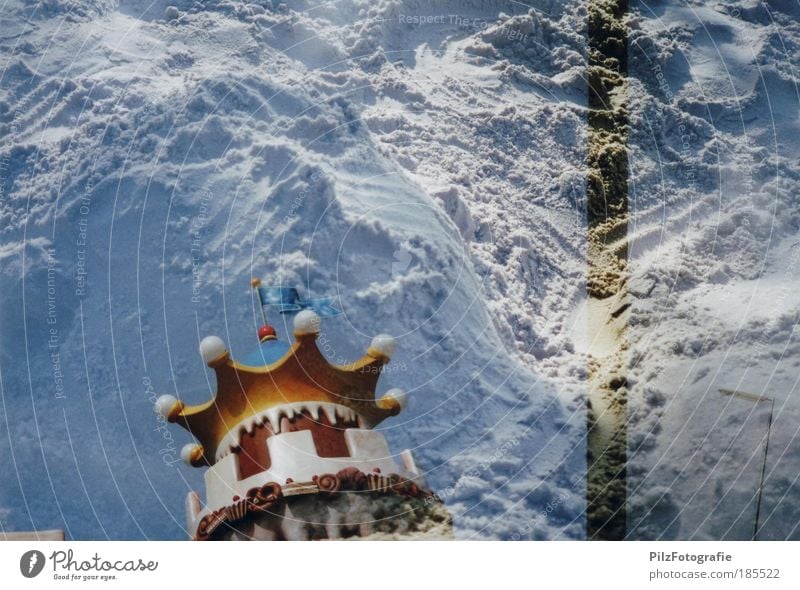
[(302, 374)]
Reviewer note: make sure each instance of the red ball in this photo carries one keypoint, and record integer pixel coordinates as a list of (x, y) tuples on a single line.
[(266, 333)]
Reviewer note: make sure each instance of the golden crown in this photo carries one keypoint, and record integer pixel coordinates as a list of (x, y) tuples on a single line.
[(301, 375)]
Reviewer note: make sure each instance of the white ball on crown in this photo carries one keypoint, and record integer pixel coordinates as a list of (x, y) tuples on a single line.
[(166, 404), (306, 322), (383, 344), (212, 348), (191, 452), (398, 395)]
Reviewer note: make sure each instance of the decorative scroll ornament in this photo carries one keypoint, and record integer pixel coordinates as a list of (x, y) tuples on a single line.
[(269, 497), (261, 499)]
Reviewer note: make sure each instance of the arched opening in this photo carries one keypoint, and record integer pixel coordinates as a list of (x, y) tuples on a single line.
[(329, 441)]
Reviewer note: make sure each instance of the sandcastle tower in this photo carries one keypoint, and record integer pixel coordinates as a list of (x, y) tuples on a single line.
[(289, 445)]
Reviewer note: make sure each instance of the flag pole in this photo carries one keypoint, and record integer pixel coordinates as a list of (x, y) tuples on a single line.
[(756, 399), (255, 283), (763, 470)]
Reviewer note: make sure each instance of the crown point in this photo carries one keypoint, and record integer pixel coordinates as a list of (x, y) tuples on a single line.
[(394, 398), (382, 346), (306, 323), (267, 332), (168, 406), (192, 454), (213, 350)]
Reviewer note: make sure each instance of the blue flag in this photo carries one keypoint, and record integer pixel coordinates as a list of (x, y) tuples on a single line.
[(287, 300)]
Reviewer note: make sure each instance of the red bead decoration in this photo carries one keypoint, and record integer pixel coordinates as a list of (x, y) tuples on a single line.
[(266, 332)]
